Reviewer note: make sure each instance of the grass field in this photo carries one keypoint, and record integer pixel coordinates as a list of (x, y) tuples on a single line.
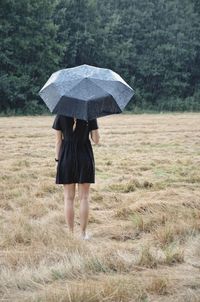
[(144, 213)]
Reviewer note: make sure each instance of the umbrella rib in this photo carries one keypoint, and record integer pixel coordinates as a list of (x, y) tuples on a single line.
[(109, 93), (120, 94), (96, 85), (103, 89)]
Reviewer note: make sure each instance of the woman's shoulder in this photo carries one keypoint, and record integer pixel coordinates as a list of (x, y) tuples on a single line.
[(61, 121), (65, 119), (64, 116)]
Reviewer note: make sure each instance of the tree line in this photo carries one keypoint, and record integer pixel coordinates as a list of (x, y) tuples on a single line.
[(153, 44)]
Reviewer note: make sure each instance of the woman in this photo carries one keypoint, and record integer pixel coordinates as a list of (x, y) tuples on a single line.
[(75, 164)]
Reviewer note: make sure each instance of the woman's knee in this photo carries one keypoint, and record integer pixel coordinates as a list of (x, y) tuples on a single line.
[(69, 201), (84, 199), (84, 196)]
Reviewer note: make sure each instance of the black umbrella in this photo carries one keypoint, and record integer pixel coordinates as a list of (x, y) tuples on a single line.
[(86, 92)]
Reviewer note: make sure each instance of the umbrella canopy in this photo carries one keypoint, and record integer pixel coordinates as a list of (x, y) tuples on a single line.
[(86, 92)]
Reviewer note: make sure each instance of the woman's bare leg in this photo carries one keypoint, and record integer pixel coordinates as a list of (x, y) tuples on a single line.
[(83, 191), (69, 195)]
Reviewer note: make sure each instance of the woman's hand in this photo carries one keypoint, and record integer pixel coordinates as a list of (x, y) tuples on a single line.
[(95, 136)]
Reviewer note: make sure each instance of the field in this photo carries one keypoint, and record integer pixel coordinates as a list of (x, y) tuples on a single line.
[(144, 213)]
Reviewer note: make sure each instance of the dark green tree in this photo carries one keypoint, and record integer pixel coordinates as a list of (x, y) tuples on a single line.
[(29, 53), (78, 30), (153, 44)]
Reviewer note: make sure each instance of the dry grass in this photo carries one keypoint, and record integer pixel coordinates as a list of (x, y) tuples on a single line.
[(159, 285), (144, 213)]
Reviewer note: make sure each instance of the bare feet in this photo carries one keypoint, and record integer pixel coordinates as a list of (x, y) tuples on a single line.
[(85, 236)]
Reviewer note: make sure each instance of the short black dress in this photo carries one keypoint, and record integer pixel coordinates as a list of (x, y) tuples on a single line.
[(76, 159)]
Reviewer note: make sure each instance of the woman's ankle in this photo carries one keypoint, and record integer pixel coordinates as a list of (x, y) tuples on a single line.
[(83, 233)]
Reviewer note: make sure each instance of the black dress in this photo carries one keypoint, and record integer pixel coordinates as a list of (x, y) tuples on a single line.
[(76, 159)]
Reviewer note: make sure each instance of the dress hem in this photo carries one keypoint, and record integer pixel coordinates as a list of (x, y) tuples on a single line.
[(75, 182)]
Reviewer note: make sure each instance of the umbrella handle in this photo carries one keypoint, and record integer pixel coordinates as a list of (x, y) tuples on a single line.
[(74, 125)]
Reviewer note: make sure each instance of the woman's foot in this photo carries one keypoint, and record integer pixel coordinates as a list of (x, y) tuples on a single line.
[(85, 236)]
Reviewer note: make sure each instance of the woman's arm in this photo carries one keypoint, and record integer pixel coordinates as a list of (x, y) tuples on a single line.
[(95, 136), (58, 143)]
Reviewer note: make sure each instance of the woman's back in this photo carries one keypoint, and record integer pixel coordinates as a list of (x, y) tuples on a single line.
[(81, 131), (76, 159)]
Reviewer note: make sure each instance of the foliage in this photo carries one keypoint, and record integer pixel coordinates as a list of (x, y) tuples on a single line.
[(29, 52), (154, 45)]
